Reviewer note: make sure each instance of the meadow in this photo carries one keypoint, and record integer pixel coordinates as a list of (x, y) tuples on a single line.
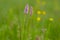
[(42, 24)]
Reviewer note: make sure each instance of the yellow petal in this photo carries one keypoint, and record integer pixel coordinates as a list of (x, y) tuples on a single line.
[(38, 18), (44, 13), (38, 12), (51, 19)]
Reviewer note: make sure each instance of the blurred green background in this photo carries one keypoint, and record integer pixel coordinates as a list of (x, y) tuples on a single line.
[(14, 25)]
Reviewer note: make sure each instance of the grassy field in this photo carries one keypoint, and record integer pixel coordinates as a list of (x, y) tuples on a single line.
[(43, 24)]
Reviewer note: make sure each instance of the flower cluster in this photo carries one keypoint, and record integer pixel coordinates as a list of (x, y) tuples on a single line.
[(27, 9)]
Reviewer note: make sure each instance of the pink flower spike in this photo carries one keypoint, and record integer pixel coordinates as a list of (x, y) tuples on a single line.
[(31, 10), (26, 9)]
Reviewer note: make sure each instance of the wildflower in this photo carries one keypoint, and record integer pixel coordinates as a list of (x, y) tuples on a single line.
[(26, 9), (38, 12), (51, 19), (38, 19), (31, 10), (44, 13)]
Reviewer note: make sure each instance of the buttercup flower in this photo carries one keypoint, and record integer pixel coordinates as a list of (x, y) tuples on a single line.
[(38, 12), (38, 18), (44, 13), (51, 19)]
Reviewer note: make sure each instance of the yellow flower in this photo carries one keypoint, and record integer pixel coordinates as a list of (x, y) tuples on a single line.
[(38, 12), (51, 19), (38, 18), (44, 13)]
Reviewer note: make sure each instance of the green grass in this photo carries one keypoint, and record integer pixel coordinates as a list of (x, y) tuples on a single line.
[(14, 25)]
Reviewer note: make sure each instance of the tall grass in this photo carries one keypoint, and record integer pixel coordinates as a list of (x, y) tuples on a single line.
[(15, 25)]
